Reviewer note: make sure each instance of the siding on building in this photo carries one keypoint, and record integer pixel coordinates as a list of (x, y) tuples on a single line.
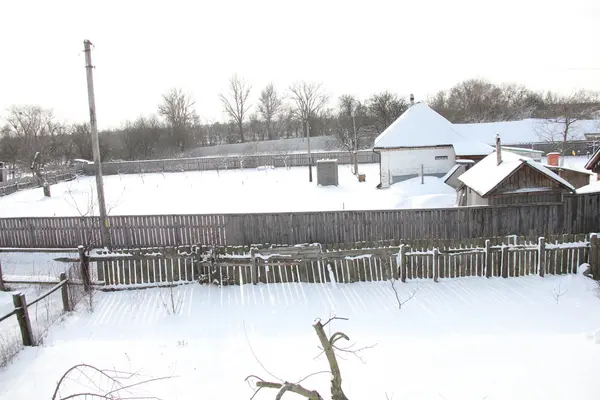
[(405, 163)]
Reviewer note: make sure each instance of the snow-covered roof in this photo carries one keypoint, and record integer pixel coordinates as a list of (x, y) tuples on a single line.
[(593, 187), (524, 131), (593, 159), (420, 126), (486, 175)]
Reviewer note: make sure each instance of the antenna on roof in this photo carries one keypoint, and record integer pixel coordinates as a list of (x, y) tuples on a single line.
[(412, 99)]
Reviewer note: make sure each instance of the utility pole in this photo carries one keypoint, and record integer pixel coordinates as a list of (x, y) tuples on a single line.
[(309, 156), (355, 143), (95, 145)]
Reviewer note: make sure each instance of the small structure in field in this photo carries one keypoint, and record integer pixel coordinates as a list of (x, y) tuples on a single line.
[(507, 178), (327, 172)]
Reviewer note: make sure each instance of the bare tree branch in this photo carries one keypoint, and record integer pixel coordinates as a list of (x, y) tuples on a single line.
[(236, 105)]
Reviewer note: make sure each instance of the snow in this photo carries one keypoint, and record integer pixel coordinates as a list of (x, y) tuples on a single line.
[(522, 132), (469, 338), (593, 187), (42, 265), (486, 174), (434, 193), (576, 163), (420, 126), (206, 192)]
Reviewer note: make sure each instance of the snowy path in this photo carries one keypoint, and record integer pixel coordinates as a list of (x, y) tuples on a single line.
[(459, 339)]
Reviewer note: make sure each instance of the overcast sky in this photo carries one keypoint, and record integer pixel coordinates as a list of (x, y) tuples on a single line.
[(143, 48)]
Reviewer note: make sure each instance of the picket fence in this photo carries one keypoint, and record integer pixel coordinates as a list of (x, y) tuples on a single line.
[(362, 262)]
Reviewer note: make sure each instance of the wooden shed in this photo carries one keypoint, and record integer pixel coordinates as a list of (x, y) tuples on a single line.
[(507, 178)]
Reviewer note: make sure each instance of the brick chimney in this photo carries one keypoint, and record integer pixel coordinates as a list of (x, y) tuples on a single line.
[(498, 150), (552, 159)]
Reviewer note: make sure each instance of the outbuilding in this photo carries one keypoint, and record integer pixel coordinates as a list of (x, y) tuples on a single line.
[(421, 141)]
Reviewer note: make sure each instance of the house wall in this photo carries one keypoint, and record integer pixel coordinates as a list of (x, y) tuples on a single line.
[(474, 199), (577, 179), (401, 164), (553, 197), (526, 177)]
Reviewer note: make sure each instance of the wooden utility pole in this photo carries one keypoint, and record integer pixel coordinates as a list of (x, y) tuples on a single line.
[(95, 145), (309, 156)]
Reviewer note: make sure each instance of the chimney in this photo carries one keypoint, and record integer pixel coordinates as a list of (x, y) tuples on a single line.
[(552, 159), (412, 99), (498, 150)]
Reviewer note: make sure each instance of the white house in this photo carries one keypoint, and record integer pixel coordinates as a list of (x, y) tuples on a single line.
[(421, 140)]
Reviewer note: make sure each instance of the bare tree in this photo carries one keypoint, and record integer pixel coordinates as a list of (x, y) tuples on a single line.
[(565, 114), (269, 105), (102, 384), (328, 346), (385, 108), (310, 99), (178, 110), (351, 126), (236, 105)]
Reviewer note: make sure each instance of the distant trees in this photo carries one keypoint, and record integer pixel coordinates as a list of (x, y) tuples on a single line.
[(309, 98), (478, 100), (175, 130), (385, 108), (235, 103), (563, 114), (178, 111), (269, 106)]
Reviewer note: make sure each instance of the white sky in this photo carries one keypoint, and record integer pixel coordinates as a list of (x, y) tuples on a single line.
[(143, 48)]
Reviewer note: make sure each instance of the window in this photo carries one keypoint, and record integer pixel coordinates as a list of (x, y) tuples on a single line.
[(441, 157)]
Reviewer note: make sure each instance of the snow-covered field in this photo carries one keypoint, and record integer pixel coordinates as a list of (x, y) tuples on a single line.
[(471, 338), (232, 191)]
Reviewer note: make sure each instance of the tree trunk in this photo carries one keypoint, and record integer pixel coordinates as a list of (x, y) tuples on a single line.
[(241, 129), (327, 344)]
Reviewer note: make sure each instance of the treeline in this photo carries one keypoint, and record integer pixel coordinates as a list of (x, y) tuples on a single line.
[(175, 129)]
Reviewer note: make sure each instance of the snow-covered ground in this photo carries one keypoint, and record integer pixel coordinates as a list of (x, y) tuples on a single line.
[(574, 162), (471, 338), (232, 191)]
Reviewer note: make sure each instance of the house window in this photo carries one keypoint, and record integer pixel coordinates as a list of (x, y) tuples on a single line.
[(441, 157)]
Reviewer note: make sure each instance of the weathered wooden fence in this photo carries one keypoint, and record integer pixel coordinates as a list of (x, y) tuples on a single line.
[(30, 182), (496, 257), (229, 162), (576, 214)]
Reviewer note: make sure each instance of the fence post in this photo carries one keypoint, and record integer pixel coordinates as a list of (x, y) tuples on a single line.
[(23, 318), (488, 259), (594, 253), (542, 256), (84, 265), (504, 261), (436, 265), (402, 266), (65, 292), (254, 267), (2, 287)]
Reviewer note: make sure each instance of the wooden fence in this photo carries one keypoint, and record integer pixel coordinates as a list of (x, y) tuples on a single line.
[(576, 214), (229, 162), (31, 182), (362, 262)]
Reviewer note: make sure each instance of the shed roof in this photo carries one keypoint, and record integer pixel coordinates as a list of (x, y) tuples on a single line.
[(593, 159), (487, 175), (420, 126)]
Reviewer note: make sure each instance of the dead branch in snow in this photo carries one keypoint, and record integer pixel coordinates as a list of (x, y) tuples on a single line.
[(329, 346), (409, 298), (558, 292), (102, 384)]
